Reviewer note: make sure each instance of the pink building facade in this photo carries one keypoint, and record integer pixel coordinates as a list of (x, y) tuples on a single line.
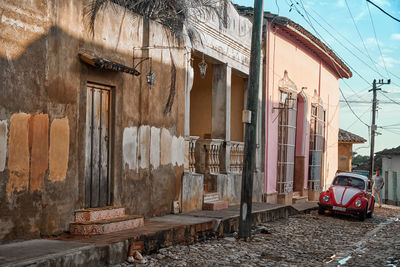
[(301, 83)]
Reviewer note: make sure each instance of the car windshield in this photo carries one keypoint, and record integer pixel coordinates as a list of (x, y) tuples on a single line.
[(349, 181)]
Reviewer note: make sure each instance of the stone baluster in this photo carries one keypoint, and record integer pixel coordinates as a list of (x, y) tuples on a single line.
[(190, 159), (237, 154), (208, 155)]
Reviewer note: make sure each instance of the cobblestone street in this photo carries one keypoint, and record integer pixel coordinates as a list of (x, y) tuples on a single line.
[(302, 240)]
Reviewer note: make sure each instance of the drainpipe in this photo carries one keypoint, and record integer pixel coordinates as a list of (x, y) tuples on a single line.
[(267, 109)]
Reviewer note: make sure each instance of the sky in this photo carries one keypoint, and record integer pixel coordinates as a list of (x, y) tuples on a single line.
[(347, 27)]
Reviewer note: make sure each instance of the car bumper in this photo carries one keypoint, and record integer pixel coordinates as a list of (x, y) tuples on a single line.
[(346, 210)]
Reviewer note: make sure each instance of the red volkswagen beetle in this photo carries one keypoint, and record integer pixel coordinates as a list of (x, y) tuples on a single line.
[(348, 194)]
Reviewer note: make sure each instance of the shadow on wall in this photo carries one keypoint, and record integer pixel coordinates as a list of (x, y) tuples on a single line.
[(42, 129)]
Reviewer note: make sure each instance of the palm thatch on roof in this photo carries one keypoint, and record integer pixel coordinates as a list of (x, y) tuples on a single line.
[(177, 15)]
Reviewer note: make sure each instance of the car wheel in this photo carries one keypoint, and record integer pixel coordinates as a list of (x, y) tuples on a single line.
[(321, 211), (363, 214), (369, 215)]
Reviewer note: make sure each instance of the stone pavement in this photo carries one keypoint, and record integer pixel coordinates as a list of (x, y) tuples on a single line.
[(300, 240), (157, 233)]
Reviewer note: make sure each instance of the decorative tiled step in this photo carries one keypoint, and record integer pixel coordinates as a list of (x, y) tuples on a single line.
[(215, 205), (299, 199), (99, 227), (296, 194), (96, 214), (209, 197)]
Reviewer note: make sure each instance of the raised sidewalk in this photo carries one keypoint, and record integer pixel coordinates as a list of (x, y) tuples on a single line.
[(158, 232)]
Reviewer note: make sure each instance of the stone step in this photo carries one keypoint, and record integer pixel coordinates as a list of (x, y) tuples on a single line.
[(210, 197), (215, 205), (97, 214), (297, 199), (99, 227), (297, 194)]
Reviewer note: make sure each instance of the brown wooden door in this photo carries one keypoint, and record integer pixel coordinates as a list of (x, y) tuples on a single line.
[(97, 178)]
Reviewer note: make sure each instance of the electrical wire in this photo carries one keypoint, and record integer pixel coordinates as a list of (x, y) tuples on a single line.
[(381, 9), (309, 21), (326, 43), (395, 102), (352, 124), (348, 41), (348, 104), (359, 35), (376, 39)]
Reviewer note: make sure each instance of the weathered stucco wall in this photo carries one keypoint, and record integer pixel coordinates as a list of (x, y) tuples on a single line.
[(43, 114), (345, 155)]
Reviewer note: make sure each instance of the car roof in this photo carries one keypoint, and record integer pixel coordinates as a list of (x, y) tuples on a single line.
[(355, 175)]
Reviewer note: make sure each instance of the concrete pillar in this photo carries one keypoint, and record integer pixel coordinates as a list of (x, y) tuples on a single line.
[(221, 111), (221, 102)]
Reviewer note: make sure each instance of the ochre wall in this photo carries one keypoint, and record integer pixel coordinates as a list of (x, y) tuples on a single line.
[(201, 102), (345, 156), (237, 106)]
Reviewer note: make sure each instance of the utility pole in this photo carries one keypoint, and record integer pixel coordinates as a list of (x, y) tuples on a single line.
[(373, 126), (251, 125)]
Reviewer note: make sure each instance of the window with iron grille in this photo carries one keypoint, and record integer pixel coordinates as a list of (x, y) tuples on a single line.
[(317, 146), (286, 141)]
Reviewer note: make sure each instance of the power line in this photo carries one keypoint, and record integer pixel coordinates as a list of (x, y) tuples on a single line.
[(352, 124), (348, 104), (359, 34), (367, 102), (383, 10), (309, 21), (348, 41), (377, 43), (325, 42), (393, 101)]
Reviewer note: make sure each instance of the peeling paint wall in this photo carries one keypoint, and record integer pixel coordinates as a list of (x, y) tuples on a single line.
[(39, 128), (155, 147), (129, 146), (43, 99), (3, 144), (59, 149), (18, 149)]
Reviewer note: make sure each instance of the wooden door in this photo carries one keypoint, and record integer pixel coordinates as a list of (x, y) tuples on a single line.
[(97, 171)]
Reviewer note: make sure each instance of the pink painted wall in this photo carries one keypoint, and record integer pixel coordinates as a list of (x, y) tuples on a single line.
[(304, 69)]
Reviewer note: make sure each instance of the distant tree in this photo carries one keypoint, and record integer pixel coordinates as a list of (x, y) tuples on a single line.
[(359, 159)]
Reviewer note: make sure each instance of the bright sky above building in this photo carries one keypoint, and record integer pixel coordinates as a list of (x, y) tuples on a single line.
[(347, 27)]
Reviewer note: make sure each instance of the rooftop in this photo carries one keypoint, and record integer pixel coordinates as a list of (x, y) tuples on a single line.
[(348, 137), (389, 152), (303, 36)]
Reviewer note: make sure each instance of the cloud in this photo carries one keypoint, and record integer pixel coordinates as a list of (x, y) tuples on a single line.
[(340, 3), (371, 42), (395, 36), (386, 50), (382, 2), (361, 15), (389, 61)]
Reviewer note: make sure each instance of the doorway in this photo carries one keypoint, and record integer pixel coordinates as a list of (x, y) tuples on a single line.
[(97, 150)]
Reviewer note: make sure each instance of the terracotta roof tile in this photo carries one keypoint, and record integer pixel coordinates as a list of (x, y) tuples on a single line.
[(348, 137), (318, 47)]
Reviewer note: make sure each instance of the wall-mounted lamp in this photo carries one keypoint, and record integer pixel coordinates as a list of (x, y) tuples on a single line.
[(203, 68), (150, 77)]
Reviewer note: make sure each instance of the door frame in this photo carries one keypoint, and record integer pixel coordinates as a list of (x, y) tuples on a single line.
[(111, 109)]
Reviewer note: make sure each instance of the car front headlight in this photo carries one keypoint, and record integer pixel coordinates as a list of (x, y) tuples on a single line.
[(325, 198), (358, 203)]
